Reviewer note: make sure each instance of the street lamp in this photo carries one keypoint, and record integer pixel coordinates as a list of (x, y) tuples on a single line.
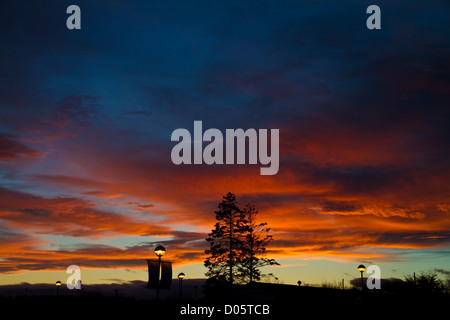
[(181, 277), (58, 284), (159, 251), (362, 268)]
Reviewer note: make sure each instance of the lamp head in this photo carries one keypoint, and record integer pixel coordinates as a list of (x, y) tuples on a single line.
[(181, 276), (160, 251), (58, 283), (361, 268)]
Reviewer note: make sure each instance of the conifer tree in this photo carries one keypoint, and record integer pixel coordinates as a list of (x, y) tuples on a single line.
[(225, 241), (255, 241), (237, 245)]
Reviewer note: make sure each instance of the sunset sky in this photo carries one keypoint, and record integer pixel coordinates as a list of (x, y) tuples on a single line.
[(86, 118)]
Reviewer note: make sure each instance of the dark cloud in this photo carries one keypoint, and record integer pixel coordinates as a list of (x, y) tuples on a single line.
[(387, 283), (12, 149), (138, 113), (340, 206), (74, 111), (37, 212), (442, 271)]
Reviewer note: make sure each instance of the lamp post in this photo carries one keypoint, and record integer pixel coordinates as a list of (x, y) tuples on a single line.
[(58, 284), (362, 268), (180, 286), (159, 251)]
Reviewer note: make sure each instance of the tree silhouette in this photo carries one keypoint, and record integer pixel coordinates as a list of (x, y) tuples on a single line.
[(256, 238), (225, 241), (237, 245), (425, 282)]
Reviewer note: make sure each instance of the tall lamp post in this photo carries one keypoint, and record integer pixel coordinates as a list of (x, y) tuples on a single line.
[(58, 284), (181, 277), (362, 268), (159, 251)]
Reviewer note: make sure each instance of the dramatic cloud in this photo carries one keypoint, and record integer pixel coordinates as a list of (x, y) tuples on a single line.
[(68, 216), (86, 118)]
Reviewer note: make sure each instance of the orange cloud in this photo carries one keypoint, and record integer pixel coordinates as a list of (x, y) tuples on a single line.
[(337, 194)]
